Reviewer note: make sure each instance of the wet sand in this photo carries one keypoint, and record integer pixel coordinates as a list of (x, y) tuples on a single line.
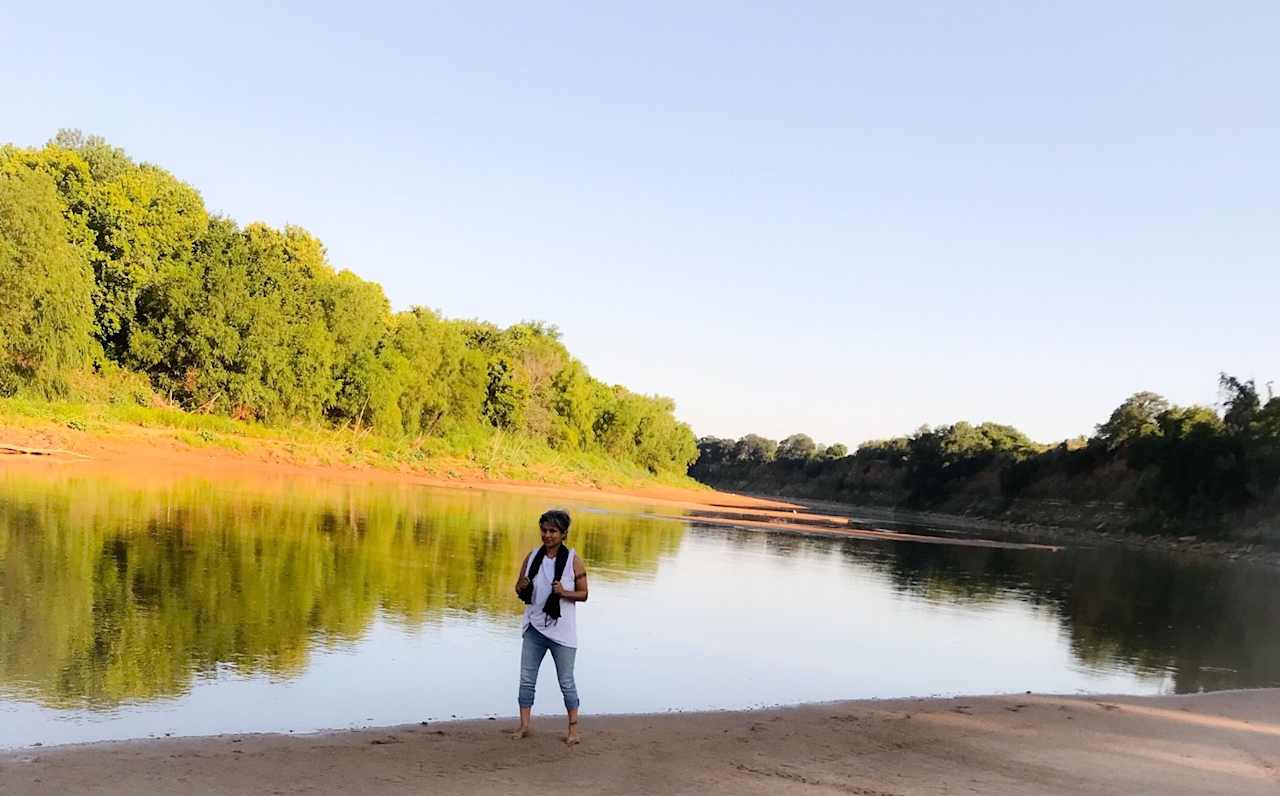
[(1216, 743)]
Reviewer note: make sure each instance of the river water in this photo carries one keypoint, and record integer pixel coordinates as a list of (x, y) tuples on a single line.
[(185, 606)]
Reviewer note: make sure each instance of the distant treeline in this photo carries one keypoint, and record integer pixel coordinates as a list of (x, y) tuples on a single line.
[(114, 277), (1160, 466)]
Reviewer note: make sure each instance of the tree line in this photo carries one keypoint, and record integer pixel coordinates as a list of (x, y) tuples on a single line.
[(1168, 467), (115, 268)]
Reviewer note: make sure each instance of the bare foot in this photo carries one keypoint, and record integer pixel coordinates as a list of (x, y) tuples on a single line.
[(572, 738), (523, 732)]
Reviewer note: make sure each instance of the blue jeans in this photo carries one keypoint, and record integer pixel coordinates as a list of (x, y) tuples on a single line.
[(533, 649)]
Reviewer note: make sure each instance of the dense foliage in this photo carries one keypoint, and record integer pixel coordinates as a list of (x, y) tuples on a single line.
[(112, 266), (1166, 466)]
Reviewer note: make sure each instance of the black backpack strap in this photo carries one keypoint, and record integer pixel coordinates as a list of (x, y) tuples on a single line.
[(552, 607), (535, 563), (562, 560)]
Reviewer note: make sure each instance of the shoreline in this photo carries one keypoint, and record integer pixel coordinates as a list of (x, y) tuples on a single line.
[(1047, 534), (160, 454), (1226, 742), (150, 454)]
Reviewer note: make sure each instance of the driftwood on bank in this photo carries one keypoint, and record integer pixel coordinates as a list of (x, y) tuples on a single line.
[(18, 450)]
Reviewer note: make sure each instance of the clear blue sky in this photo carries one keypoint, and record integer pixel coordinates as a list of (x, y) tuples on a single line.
[(847, 219)]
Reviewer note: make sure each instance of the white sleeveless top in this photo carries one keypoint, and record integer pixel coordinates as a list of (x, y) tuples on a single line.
[(565, 630)]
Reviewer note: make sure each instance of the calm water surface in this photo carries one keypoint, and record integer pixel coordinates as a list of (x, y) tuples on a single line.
[(191, 607)]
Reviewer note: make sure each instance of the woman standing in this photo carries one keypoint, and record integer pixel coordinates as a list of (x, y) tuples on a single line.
[(552, 581)]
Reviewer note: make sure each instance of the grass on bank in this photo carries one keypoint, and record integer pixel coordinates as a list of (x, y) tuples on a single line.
[(473, 452)]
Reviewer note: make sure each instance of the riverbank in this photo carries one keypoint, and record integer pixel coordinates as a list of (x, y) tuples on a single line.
[(1043, 533), (1226, 742), (1176, 495), (142, 458), (158, 444), (152, 453), (123, 433)]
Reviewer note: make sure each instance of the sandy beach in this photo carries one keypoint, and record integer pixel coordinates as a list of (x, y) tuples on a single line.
[(1226, 742)]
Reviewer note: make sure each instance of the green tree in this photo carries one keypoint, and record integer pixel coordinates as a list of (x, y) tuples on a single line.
[(755, 448), (443, 381), (105, 162), (255, 322), (45, 286), (577, 401), (1241, 401), (1133, 419), (797, 447), (357, 315), (1181, 422), (144, 221)]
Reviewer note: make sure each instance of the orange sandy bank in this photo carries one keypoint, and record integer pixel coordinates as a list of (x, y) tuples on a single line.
[(1212, 743), (146, 453)]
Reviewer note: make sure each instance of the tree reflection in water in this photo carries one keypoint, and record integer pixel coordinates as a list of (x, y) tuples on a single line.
[(111, 592), (114, 592)]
